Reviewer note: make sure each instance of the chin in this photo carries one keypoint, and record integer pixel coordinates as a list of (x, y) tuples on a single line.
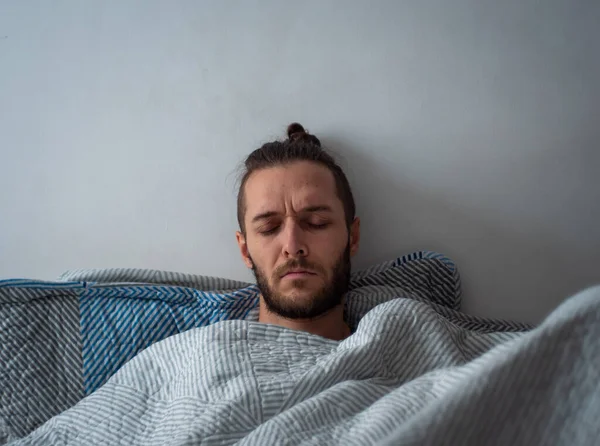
[(301, 295), (302, 286)]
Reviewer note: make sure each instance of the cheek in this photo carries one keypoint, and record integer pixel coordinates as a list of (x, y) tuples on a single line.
[(328, 249), (263, 255)]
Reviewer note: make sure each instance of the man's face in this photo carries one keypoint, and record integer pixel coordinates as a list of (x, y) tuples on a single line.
[(296, 240)]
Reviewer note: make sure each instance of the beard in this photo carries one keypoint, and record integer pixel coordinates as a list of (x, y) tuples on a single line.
[(324, 299)]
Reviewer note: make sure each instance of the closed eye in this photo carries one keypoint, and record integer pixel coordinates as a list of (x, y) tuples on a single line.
[(269, 231), (273, 229), (318, 226)]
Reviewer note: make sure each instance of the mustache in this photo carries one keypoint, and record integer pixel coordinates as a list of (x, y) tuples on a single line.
[(301, 263)]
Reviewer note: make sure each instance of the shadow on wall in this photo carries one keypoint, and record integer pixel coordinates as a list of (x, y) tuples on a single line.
[(504, 274)]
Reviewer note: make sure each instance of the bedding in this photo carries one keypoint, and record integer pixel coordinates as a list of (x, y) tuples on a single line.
[(61, 341), (412, 373)]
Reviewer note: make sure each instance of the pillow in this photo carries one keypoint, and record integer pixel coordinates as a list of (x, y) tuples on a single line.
[(60, 341), (118, 320)]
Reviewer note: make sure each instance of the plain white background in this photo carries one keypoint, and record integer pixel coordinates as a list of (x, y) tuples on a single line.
[(467, 127)]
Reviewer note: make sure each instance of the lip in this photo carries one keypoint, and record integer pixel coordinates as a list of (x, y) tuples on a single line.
[(297, 274)]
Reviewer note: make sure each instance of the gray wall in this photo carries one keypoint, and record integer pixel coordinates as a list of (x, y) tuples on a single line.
[(466, 127)]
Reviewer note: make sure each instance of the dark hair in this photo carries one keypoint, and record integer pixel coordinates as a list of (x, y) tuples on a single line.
[(299, 146)]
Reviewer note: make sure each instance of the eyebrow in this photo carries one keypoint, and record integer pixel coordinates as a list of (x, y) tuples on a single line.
[(269, 214), (264, 216), (319, 208)]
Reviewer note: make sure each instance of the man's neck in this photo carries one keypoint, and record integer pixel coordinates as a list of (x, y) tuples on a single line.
[(330, 325)]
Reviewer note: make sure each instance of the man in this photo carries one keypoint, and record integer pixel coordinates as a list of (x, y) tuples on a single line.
[(297, 233)]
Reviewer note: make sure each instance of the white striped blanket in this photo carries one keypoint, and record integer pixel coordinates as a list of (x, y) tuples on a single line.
[(408, 375), (61, 341)]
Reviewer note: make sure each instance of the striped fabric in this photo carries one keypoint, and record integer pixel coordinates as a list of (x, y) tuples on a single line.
[(136, 275), (87, 327), (40, 353), (119, 321), (406, 376)]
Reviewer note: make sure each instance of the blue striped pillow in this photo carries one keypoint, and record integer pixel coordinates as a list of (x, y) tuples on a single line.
[(120, 320)]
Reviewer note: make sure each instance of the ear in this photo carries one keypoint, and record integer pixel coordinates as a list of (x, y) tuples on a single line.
[(241, 240), (354, 236)]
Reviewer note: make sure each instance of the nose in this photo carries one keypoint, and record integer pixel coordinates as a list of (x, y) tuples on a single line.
[(294, 244)]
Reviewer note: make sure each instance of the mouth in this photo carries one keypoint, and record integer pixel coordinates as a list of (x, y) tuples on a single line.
[(297, 274)]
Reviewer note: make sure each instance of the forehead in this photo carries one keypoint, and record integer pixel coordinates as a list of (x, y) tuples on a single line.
[(297, 185)]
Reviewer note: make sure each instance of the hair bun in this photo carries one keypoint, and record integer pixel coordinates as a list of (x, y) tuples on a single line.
[(296, 132), (294, 128)]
